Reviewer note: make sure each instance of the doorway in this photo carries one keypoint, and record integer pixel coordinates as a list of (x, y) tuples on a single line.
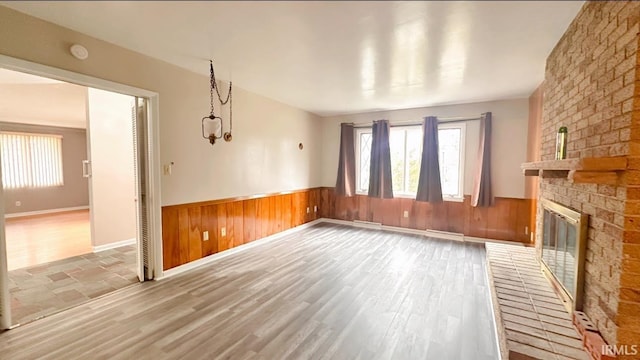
[(118, 231)]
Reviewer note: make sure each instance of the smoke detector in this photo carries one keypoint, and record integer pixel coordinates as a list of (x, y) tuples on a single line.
[(79, 52)]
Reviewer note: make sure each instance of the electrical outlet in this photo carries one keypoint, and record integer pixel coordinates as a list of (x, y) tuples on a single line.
[(18, 203), (531, 237), (526, 230), (406, 214), (223, 231), (205, 235), (308, 210), (315, 208)]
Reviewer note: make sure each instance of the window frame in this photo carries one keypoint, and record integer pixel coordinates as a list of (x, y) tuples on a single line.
[(461, 161), (405, 194), (462, 158)]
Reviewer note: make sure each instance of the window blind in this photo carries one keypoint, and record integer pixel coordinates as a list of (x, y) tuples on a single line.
[(31, 160)]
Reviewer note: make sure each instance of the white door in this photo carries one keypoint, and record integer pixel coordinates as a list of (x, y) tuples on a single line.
[(112, 184), (140, 147), (5, 302)]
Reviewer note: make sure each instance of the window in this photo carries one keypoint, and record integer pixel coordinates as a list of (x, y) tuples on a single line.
[(31, 160), (451, 159), (405, 144)]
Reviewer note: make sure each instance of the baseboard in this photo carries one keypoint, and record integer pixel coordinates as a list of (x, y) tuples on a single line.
[(444, 235), (404, 230), (341, 222), (368, 224), (486, 240), (372, 225), (221, 255), (429, 233), (114, 245), (44, 212)]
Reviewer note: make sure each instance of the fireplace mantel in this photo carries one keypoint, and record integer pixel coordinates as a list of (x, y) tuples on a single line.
[(600, 170)]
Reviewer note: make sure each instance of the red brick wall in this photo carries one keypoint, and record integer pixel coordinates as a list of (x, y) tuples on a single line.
[(592, 85)]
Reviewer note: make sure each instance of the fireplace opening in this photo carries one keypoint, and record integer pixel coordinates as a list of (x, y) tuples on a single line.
[(563, 249)]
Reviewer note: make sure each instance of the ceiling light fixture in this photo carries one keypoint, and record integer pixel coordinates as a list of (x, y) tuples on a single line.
[(79, 52), (212, 125)]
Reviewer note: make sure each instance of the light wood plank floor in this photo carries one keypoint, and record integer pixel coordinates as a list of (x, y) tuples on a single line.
[(36, 240), (327, 292)]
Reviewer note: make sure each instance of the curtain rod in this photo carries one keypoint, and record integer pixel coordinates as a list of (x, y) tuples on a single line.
[(413, 123)]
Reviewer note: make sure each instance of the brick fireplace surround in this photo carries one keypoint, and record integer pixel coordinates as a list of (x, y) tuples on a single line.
[(592, 86)]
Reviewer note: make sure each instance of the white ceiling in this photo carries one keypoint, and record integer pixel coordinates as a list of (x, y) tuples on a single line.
[(30, 99), (16, 77), (338, 57)]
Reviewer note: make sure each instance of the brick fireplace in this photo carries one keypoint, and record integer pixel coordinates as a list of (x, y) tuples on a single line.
[(592, 86)]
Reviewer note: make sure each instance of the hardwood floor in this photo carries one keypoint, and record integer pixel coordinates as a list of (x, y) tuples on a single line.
[(327, 292), (41, 239)]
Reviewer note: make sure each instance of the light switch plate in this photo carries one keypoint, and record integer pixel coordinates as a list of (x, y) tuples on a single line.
[(205, 236), (223, 231)]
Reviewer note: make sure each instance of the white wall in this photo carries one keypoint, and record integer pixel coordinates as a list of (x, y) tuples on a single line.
[(112, 182), (263, 156), (509, 143)]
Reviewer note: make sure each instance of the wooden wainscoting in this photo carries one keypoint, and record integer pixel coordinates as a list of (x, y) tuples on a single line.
[(244, 220), (506, 220)]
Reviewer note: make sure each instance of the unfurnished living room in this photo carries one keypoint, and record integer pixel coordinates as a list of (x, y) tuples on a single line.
[(320, 180)]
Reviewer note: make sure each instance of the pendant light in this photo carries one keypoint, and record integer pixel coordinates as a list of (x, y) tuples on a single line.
[(212, 125)]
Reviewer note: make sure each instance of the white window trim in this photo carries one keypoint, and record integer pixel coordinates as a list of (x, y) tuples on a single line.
[(463, 130)]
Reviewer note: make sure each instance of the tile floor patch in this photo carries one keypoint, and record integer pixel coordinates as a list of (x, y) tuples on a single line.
[(49, 288), (58, 276)]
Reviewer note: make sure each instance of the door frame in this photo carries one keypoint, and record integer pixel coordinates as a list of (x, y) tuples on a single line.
[(153, 167)]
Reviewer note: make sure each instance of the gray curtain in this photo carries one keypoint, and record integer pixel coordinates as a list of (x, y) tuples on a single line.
[(346, 181), (482, 194), (380, 170), (429, 186)]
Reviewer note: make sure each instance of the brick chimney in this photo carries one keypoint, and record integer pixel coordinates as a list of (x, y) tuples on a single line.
[(592, 86)]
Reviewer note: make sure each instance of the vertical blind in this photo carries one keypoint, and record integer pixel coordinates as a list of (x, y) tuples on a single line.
[(31, 160)]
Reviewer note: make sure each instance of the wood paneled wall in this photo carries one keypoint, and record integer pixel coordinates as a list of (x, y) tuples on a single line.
[(506, 220), (249, 219), (244, 219)]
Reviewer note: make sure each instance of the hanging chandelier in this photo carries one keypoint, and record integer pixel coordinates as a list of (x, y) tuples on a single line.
[(212, 125)]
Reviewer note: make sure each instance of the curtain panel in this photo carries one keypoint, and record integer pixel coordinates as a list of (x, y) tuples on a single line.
[(380, 170), (346, 181), (482, 195), (429, 186)]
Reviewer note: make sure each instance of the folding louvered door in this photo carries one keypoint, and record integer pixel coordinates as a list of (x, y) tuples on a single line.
[(140, 116), (5, 303)]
